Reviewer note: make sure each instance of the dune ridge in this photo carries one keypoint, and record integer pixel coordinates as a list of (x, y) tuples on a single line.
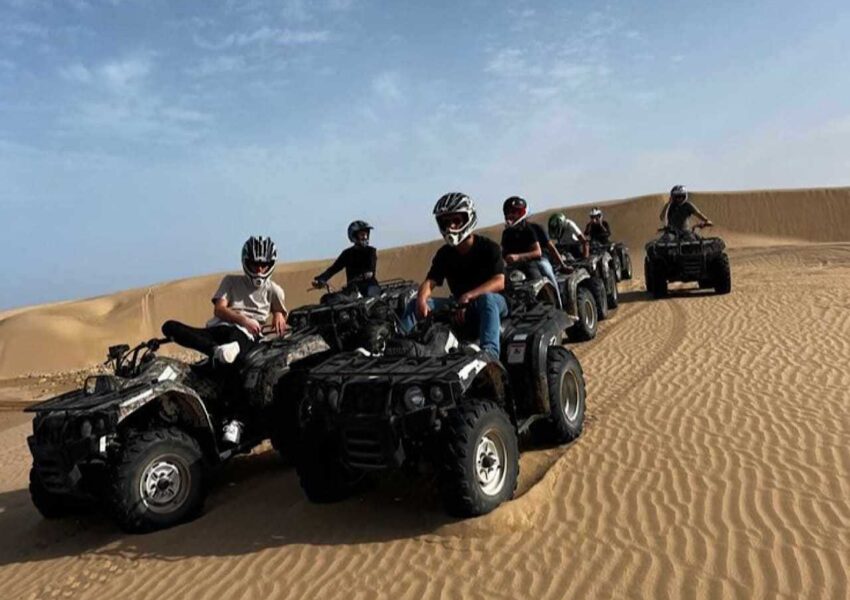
[(75, 334)]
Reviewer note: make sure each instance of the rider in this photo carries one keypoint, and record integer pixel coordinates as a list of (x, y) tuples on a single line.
[(597, 230), (474, 269), (359, 262), (568, 236), (523, 241), (241, 305), (678, 210)]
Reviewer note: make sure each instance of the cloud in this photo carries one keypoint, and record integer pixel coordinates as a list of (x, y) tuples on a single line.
[(120, 76), (266, 36), (387, 87)]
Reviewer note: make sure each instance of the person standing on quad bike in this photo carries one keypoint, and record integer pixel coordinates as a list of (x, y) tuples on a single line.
[(359, 262), (474, 269), (597, 230), (677, 211), (522, 243), (241, 306), (567, 236)]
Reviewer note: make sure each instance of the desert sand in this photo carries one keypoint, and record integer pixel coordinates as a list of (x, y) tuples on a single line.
[(715, 462)]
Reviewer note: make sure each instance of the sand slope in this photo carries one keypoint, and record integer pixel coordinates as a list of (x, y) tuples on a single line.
[(715, 464)]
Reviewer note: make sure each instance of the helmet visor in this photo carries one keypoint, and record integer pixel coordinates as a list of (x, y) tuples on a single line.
[(452, 222), (258, 267)]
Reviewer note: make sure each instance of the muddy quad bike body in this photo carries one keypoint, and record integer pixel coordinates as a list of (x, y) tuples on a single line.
[(601, 267), (620, 260), (348, 320), (583, 297), (685, 256), (432, 400), (142, 439)]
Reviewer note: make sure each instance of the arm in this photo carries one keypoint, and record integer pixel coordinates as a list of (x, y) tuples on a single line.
[(663, 216), (556, 254), (227, 314), (585, 245), (426, 288), (699, 215), (532, 254), (494, 285), (332, 270)]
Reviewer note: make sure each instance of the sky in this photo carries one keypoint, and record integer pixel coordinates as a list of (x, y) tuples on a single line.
[(145, 140)]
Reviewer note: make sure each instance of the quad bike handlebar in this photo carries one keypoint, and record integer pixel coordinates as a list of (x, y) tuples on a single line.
[(126, 360)]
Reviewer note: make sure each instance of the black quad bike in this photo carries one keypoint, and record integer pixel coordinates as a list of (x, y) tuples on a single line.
[(347, 320), (432, 401), (601, 264), (142, 440), (686, 256), (621, 260), (581, 294)]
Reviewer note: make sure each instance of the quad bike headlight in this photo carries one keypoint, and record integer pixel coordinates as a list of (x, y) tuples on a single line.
[(414, 398), (333, 398), (517, 276), (436, 394)]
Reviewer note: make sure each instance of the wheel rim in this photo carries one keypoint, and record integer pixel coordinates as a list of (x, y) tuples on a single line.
[(570, 395), (491, 462), (589, 314), (164, 485)]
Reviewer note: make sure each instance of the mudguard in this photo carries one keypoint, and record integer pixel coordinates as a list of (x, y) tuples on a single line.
[(571, 284)]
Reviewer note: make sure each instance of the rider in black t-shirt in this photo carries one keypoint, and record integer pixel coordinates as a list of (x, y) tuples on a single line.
[(359, 261), (523, 243), (473, 267)]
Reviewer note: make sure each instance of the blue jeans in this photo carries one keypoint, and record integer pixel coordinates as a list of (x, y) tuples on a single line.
[(488, 310), (548, 272)]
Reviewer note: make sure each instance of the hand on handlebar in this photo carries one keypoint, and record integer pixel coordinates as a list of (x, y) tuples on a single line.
[(253, 327)]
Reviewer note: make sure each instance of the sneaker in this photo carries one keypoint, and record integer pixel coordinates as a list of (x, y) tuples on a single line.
[(226, 353), (233, 432)]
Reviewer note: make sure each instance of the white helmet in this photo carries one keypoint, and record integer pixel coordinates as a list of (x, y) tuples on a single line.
[(456, 217), (595, 213), (256, 251)]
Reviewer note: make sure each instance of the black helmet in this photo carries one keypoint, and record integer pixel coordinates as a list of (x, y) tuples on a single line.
[(449, 205), (258, 251), (679, 193), (512, 205), (354, 228)]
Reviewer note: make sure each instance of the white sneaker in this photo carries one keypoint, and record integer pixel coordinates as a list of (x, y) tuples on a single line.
[(227, 353)]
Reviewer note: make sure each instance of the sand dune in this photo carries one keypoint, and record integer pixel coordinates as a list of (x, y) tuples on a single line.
[(715, 462)]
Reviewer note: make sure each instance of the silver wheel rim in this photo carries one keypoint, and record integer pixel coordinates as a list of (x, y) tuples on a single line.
[(569, 394), (164, 485), (491, 462), (589, 314)]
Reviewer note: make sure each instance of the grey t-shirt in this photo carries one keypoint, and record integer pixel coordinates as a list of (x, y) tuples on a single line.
[(243, 297), (679, 213)]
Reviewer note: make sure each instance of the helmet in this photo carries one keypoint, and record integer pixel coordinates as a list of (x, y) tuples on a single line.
[(515, 205), (595, 213), (453, 204), (678, 192), (354, 228), (557, 225), (258, 250)]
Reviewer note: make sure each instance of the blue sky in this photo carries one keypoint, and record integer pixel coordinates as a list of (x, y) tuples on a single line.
[(144, 140)]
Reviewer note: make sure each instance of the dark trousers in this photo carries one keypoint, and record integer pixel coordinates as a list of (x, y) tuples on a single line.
[(205, 339)]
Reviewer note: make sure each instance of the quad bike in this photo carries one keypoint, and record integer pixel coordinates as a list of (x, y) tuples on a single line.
[(621, 260), (434, 401), (581, 296), (142, 440), (686, 256), (347, 320)]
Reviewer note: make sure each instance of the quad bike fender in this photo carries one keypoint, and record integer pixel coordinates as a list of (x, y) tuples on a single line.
[(175, 398), (528, 353), (491, 378), (572, 283)]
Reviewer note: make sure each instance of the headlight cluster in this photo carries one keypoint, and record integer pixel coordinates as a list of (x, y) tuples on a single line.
[(329, 394), (415, 398)]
